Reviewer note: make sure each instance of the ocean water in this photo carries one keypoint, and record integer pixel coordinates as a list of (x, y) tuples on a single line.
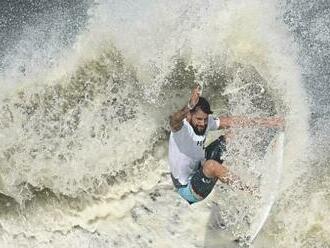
[(86, 88)]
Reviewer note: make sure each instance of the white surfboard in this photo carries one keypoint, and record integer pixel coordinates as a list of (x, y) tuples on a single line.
[(270, 182), (218, 234)]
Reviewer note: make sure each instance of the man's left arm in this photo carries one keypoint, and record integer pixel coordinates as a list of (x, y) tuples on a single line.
[(238, 121)]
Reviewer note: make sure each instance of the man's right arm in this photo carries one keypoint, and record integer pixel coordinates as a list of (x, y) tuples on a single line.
[(176, 119)]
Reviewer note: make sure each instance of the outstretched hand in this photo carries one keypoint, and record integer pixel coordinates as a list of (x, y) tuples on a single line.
[(276, 121)]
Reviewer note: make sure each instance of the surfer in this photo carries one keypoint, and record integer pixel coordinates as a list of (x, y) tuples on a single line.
[(195, 169)]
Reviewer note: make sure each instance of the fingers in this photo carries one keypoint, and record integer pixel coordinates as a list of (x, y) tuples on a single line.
[(278, 121), (253, 191), (195, 95), (196, 90)]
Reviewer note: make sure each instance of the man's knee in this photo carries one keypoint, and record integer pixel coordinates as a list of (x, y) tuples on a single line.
[(209, 168)]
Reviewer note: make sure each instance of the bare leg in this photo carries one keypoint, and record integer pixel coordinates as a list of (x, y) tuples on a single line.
[(212, 169)]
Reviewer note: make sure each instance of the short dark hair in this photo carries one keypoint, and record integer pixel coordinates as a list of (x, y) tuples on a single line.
[(202, 104)]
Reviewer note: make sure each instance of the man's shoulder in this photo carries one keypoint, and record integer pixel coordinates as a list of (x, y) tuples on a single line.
[(184, 126), (184, 132)]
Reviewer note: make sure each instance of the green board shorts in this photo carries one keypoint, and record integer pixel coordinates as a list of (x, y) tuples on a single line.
[(200, 186)]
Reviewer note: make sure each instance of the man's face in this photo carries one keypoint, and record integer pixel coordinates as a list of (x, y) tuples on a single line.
[(198, 121)]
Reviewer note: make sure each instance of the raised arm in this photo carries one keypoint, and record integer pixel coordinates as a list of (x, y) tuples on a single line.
[(176, 119), (238, 121)]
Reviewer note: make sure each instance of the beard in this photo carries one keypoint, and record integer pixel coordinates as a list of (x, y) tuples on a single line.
[(197, 131)]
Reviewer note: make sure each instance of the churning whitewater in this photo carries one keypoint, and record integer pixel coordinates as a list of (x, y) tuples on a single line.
[(86, 90)]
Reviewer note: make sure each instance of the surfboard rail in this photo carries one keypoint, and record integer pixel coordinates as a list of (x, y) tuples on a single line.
[(269, 185)]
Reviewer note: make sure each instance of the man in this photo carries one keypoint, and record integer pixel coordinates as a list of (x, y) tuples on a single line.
[(194, 172)]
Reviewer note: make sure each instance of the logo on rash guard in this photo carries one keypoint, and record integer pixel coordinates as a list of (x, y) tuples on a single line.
[(201, 142)]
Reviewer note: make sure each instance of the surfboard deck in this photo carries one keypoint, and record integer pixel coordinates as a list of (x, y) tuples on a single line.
[(218, 235)]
